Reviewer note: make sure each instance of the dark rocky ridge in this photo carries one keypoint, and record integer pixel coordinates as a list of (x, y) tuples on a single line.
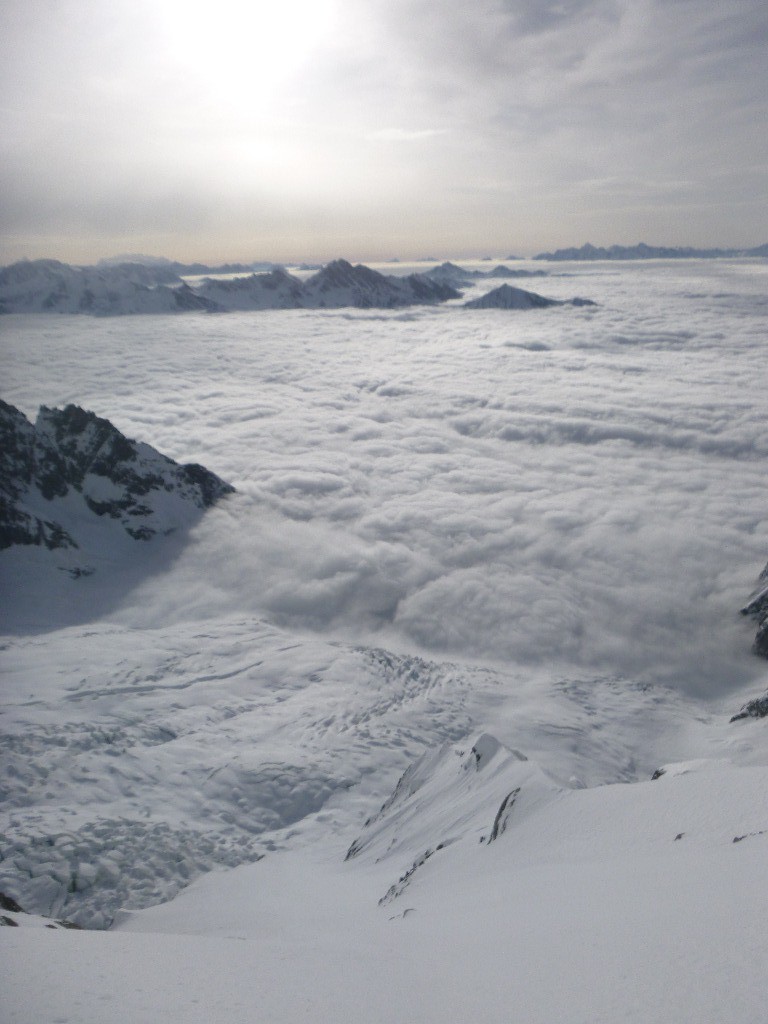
[(70, 461), (757, 608)]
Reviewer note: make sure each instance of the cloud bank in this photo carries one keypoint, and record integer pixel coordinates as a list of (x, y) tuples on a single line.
[(563, 486)]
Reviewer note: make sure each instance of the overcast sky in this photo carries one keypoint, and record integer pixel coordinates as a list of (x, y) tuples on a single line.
[(378, 128)]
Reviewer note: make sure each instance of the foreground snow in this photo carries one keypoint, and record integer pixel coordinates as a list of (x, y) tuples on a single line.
[(621, 903)]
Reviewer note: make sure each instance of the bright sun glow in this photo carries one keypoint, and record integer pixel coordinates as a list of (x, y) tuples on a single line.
[(246, 45)]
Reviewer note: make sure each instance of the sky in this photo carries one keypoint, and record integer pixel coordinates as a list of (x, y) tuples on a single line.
[(374, 129)]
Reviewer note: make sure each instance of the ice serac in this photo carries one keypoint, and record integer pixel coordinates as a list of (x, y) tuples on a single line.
[(73, 468)]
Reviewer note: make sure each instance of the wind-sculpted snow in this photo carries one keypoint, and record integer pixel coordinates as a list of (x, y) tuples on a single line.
[(450, 794)]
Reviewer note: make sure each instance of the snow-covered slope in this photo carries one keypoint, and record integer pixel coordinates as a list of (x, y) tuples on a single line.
[(341, 284), (76, 499), (640, 903), (47, 286), (71, 467), (132, 762), (274, 290)]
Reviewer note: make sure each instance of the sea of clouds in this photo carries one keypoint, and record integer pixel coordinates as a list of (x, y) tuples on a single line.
[(565, 486)]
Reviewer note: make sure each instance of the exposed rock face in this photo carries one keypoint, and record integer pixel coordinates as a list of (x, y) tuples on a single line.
[(757, 708), (72, 463), (757, 609)]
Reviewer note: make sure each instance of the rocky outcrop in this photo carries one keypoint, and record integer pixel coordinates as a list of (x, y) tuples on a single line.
[(757, 708), (14, 916), (757, 608), (72, 467)]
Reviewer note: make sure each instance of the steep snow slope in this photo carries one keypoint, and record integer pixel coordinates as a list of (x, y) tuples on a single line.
[(619, 903)]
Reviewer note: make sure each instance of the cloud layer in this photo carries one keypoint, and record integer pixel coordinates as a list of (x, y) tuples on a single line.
[(557, 486)]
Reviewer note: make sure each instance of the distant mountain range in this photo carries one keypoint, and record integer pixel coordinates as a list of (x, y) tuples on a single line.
[(113, 289), (647, 252), (144, 284), (456, 276)]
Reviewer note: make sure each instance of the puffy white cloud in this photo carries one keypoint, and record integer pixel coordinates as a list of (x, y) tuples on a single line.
[(561, 486)]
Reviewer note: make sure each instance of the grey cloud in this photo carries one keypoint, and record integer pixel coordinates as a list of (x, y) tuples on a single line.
[(515, 111)]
